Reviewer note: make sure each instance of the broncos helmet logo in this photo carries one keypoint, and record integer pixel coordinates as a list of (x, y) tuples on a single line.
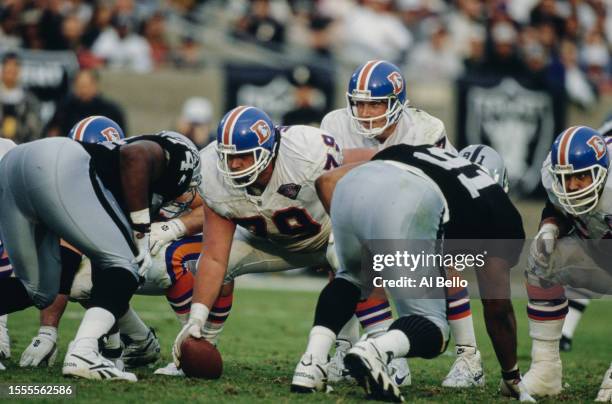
[(110, 134), (262, 130), (396, 81), (597, 144)]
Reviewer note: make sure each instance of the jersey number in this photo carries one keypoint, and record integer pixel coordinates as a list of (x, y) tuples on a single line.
[(291, 222), (473, 179)]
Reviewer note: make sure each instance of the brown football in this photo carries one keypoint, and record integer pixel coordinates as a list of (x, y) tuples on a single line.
[(201, 359)]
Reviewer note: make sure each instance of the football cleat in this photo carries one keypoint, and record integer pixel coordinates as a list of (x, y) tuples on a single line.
[(5, 340), (92, 365), (605, 390), (400, 372), (467, 369), (2, 366), (140, 353), (335, 370), (170, 370), (544, 378), (310, 375), (368, 365)]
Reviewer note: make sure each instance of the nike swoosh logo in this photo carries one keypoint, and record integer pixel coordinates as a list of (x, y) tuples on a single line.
[(399, 380)]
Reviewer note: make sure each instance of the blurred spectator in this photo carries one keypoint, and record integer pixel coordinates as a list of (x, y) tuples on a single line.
[(463, 23), (547, 12), (84, 101), (312, 29), (188, 54), (260, 25), (596, 58), (475, 59), (101, 20), (502, 57), (307, 111), (372, 31), (121, 47), (434, 59), (195, 121), (577, 86), (19, 109), (155, 33)]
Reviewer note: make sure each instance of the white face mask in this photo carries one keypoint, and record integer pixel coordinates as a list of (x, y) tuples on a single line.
[(365, 126), (583, 200)]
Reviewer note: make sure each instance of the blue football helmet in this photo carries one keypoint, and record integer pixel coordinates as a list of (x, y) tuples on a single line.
[(96, 129), (579, 150), (376, 81), (490, 160), (244, 130)]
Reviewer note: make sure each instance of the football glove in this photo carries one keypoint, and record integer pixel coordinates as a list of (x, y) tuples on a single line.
[(543, 246), (605, 390), (512, 386), (42, 350), (193, 328), (163, 233)]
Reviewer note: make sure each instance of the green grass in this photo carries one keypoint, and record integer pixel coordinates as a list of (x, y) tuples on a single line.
[(264, 338)]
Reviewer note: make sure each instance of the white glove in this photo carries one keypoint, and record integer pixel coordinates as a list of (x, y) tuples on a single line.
[(543, 245), (193, 328), (143, 259), (605, 390), (42, 349), (163, 233), (515, 388)]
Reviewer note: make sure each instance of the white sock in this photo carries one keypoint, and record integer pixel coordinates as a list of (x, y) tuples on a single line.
[(131, 325), (113, 341), (350, 331), (394, 341), (378, 328), (320, 341), (463, 331), (3, 320), (96, 323), (573, 318)]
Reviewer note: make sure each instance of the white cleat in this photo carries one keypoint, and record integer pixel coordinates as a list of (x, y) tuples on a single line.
[(605, 391), (467, 369), (5, 341), (92, 365), (2, 366), (544, 378), (336, 371), (140, 353), (310, 375), (368, 365), (399, 371), (170, 370)]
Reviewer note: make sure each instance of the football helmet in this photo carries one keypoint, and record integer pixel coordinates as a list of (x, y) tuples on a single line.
[(578, 150), (490, 160), (245, 130), (96, 129), (376, 80)]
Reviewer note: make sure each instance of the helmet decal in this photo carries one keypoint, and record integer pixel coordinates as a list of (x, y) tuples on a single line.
[(262, 130)]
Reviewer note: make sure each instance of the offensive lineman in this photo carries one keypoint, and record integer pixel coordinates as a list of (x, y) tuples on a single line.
[(579, 205), (435, 192), (84, 193)]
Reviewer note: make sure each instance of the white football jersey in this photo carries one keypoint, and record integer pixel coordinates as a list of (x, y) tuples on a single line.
[(288, 212), (415, 127), (597, 223)]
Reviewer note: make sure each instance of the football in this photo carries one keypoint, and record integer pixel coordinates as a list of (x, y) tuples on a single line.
[(200, 359)]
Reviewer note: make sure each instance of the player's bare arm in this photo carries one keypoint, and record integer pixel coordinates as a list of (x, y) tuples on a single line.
[(141, 163), (326, 183), (357, 155)]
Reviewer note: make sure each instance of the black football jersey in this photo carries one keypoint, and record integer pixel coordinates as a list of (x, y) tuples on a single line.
[(478, 207), (181, 161)]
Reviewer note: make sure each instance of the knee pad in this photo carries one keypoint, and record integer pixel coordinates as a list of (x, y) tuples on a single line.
[(336, 304), (426, 339), (112, 289)]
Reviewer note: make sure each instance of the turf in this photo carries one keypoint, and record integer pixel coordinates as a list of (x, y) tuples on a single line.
[(264, 338)]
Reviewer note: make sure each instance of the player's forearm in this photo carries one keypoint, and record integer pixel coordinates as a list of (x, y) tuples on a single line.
[(208, 282), (552, 215), (357, 155), (50, 316), (193, 222), (326, 184), (501, 327)]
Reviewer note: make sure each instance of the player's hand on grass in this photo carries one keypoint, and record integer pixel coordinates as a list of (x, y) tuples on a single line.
[(42, 350), (512, 386)]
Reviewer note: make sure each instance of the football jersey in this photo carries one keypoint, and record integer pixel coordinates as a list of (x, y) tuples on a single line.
[(288, 212), (597, 223), (174, 181), (415, 127), (476, 206)]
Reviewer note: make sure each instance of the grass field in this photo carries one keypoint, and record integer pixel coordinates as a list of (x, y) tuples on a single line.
[(265, 336)]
